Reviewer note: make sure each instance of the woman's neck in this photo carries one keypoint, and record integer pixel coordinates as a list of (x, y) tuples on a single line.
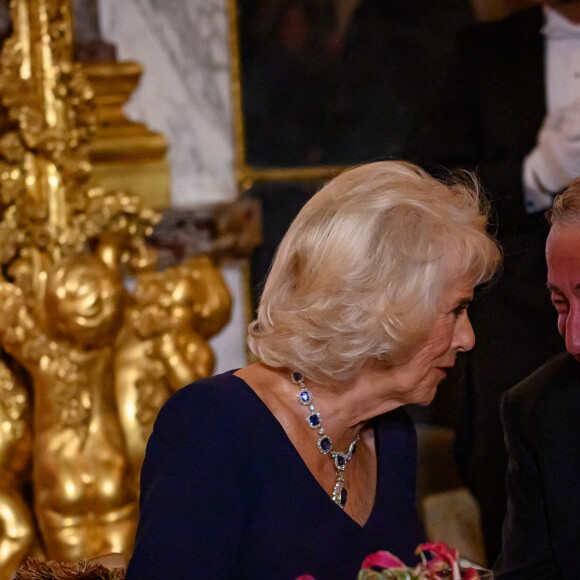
[(345, 409), (339, 413), (334, 403)]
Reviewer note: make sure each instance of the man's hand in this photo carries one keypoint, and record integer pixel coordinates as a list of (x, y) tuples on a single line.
[(555, 161)]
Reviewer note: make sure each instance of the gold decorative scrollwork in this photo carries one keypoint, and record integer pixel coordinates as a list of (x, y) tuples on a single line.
[(99, 359)]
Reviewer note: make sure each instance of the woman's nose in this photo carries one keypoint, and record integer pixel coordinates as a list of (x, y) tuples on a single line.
[(464, 336)]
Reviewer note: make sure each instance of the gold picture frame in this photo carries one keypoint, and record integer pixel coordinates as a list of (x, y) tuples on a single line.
[(246, 175)]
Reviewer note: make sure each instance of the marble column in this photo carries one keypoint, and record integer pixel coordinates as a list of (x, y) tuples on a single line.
[(184, 94), (184, 91)]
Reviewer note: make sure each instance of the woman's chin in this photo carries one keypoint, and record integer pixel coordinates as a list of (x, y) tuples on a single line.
[(428, 397)]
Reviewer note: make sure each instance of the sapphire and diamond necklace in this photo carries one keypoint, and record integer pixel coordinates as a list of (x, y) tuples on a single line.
[(324, 443)]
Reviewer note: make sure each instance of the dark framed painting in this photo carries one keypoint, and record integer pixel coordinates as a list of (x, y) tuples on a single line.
[(326, 83)]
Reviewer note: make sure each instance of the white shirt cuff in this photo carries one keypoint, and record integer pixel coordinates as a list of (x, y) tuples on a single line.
[(536, 198)]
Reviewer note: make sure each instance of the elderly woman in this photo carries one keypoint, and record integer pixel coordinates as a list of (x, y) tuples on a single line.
[(304, 462)]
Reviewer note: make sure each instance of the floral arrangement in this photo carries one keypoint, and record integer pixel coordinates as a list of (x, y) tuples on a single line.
[(444, 565)]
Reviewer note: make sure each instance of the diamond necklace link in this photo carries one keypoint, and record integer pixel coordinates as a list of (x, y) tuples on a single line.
[(324, 443)]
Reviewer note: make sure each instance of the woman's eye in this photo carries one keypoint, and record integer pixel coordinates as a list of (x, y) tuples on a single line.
[(560, 305), (457, 312)]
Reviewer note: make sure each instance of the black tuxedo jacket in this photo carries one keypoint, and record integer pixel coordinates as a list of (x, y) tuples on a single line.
[(501, 108), (497, 105), (541, 416)]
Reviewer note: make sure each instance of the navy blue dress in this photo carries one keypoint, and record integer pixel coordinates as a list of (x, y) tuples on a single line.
[(225, 494)]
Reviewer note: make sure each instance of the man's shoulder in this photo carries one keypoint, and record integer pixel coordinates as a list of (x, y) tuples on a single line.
[(553, 380)]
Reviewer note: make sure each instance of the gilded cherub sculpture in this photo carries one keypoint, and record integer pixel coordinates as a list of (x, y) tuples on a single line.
[(163, 344), (99, 359), (16, 519), (85, 499)]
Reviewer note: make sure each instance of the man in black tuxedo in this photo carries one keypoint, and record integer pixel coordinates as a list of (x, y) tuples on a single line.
[(541, 418), (516, 122)]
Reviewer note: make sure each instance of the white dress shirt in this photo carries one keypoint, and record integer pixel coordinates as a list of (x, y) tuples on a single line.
[(562, 50), (562, 85)]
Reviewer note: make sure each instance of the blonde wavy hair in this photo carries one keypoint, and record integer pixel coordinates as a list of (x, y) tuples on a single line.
[(566, 208), (361, 271)]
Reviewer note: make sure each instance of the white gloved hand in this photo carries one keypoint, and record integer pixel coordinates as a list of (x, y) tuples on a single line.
[(555, 161)]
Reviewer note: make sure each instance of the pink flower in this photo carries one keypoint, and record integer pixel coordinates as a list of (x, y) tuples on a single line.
[(382, 559), (444, 556), (441, 550)]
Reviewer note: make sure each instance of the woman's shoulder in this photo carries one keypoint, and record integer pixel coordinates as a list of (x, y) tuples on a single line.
[(216, 386), (209, 400)]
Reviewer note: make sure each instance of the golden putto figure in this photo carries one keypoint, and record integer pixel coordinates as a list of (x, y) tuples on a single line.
[(16, 519), (84, 497), (99, 359), (163, 343)]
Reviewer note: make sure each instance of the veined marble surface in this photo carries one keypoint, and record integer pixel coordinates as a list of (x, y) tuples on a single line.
[(184, 92), (229, 346)]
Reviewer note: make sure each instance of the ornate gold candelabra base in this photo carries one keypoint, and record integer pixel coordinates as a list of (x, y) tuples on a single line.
[(125, 155), (74, 172)]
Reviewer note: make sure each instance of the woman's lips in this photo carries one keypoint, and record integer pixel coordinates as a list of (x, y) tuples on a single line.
[(443, 371)]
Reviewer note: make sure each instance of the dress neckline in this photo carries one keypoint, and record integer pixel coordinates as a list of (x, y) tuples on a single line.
[(282, 432)]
